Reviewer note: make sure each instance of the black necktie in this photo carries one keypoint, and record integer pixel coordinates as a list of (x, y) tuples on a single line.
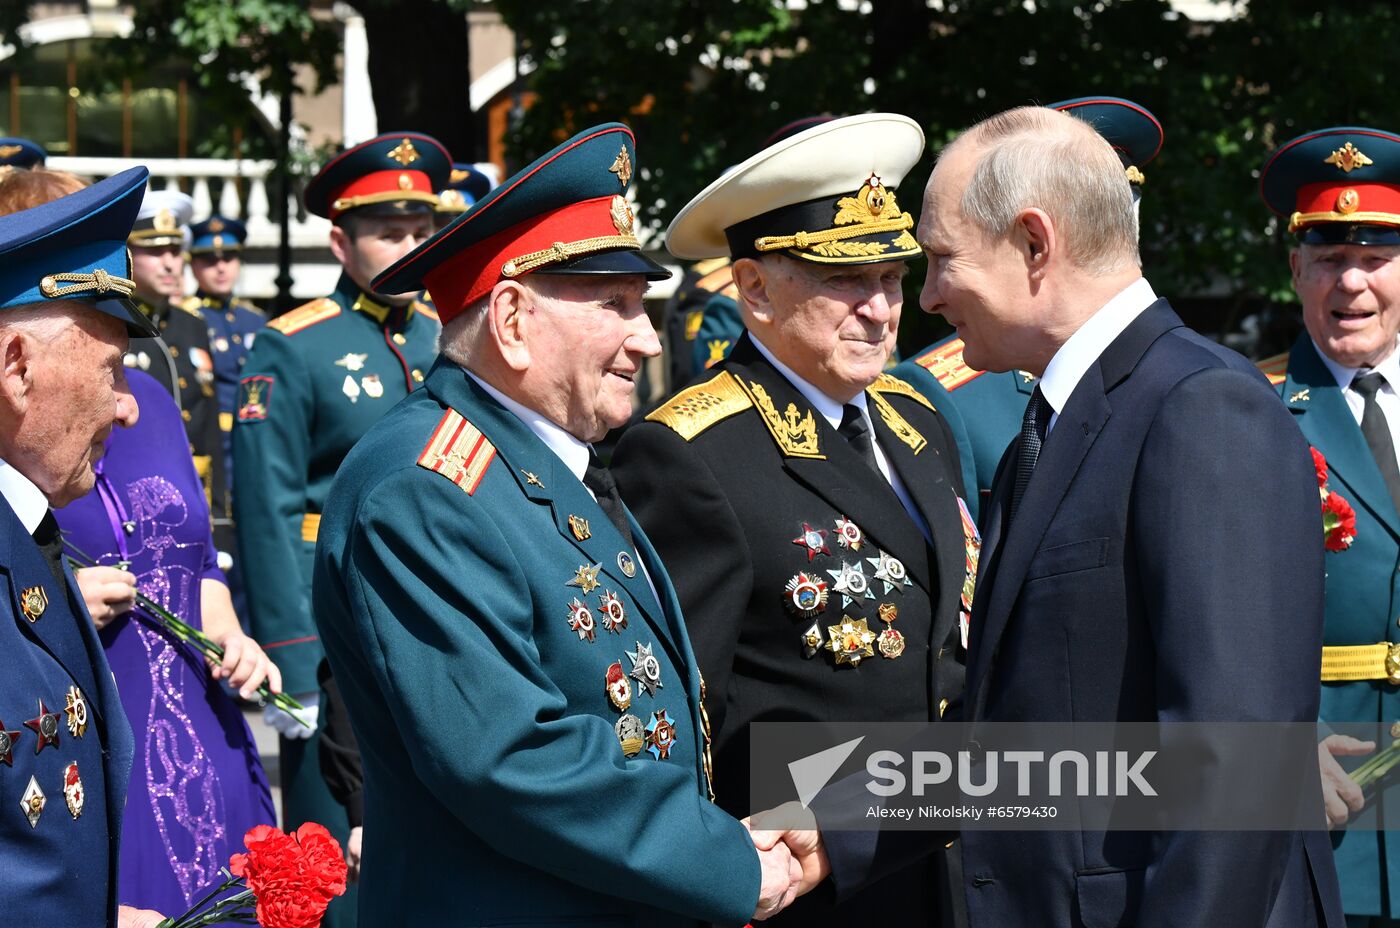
[(856, 431), (1377, 432), (50, 542), (600, 480), (1033, 426)]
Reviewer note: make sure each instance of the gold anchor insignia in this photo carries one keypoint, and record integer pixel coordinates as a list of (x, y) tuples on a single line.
[(579, 526), (531, 479), (622, 167), (795, 435), (33, 601), (898, 424), (1301, 396), (404, 153), (586, 578), (1348, 158)]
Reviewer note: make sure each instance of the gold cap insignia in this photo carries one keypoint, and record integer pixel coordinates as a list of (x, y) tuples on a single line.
[(164, 221), (1348, 201), (405, 182), (1136, 176), (9, 151), (622, 167), (458, 175), (218, 241), (404, 153), (215, 225), (1348, 158), (622, 216)]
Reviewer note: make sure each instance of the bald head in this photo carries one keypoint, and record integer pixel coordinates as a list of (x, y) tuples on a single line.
[(1036, 157)]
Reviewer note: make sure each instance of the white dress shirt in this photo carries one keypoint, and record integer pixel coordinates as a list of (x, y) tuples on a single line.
[(1090, 340), (27, 500), (1386, 397), (832, 411)]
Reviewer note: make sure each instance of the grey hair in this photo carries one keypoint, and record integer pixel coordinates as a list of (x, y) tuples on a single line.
[(1037, 157), (458, 339), (45, 322)]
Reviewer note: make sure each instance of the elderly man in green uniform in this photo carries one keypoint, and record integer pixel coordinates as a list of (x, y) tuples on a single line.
[(985, 408), (179, 356), (524, 693), (317, 378), (1339, 192), (806, 504)]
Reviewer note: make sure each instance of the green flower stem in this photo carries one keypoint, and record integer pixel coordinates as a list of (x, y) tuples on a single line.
[(167, 620)]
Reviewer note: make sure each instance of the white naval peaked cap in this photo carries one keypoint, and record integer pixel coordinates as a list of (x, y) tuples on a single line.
[(811, 197)]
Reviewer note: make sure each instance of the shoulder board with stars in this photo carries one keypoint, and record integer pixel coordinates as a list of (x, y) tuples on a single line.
[(696, 408), (458, 451), (946, 364), (422, 306), (304, 317), (1275, 368), (886, 383)]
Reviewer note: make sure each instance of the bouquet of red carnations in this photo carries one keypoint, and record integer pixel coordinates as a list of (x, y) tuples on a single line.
[(284, 881)]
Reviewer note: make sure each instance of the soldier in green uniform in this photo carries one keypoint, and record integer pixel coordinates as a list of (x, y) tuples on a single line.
[(1339, 192), (179, 357), (317, 378), (985, 408)]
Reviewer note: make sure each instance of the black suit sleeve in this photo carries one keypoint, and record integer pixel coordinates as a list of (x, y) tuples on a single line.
[(340, 753), (1226, 529), (671, 491)]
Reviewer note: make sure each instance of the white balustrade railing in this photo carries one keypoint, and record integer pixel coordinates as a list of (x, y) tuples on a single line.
[(240, 186)]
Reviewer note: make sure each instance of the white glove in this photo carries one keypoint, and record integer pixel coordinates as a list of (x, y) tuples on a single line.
[(287, 726)]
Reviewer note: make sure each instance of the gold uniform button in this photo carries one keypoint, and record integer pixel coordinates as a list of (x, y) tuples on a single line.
[(228, 316), (183, 383), (417, 375), (174, 352), (1395, 729), (185, 414), (399, 339), (238, 339)]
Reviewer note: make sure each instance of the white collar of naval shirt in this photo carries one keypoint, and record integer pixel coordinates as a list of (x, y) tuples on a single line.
[(27, 500), (829, 409), (573, 452), (1089, 341), (1389, 369)]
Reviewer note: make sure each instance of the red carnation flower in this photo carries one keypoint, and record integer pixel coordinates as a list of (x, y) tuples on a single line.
[(1338, 522), (1319, 465)]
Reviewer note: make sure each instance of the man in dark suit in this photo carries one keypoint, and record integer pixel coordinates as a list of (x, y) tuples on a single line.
[(806, 504), (1145, 533)]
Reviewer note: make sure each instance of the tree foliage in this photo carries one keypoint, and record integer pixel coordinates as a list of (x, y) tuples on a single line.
[(703, 84)]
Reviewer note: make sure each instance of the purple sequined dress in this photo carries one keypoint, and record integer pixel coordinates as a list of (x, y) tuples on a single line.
[(197, 784)]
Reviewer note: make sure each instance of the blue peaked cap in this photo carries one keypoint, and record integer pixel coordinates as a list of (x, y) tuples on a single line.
[(74, 248), (21, 153)]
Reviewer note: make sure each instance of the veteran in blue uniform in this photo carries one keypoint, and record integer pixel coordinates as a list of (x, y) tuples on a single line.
[(985, 407), (466, 183), (216, 259), (65, 744), (315, 381), (807, 504), (525, 696), (21, 154), (1338, 191)]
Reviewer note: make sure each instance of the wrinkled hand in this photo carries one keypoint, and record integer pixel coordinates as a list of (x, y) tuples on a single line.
[(287, 726), (352, 854), (245, 665), (108, 592), (127, 917), (801, 838), (781, 875), (1340, 794)]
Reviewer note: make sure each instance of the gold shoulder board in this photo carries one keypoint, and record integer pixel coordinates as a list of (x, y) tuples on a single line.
[(1275, 368), (946, 364), (718, 279), (190, 304), (305, 316), (458, 451), (887, 383), (698, 407)]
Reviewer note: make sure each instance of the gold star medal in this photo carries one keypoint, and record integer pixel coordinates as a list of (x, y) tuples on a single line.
[(586, 578), (851, 642), (75, 707)]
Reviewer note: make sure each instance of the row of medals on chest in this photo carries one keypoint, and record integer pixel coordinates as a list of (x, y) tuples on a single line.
[(659, 734), (807, 592), (47, 727)]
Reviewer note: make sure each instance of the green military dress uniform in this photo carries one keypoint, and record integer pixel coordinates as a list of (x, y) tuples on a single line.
[(983, 409)]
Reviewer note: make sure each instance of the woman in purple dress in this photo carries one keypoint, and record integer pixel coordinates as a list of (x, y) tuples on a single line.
[(197, 784)]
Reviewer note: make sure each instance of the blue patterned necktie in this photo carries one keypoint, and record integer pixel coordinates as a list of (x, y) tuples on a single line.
[(1033, 426)]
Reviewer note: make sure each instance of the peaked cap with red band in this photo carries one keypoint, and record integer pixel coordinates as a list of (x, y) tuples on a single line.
[(1337, 186), (1134, 133), (566, 213), (394, 174)]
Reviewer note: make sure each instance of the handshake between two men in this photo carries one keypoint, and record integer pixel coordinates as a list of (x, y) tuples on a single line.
[(793, 858)]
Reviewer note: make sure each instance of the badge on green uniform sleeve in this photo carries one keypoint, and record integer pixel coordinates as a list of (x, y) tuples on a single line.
[(254, 398)]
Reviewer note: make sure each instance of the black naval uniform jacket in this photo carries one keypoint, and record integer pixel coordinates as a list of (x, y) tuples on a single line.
[(729, 478), (180, 359)]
